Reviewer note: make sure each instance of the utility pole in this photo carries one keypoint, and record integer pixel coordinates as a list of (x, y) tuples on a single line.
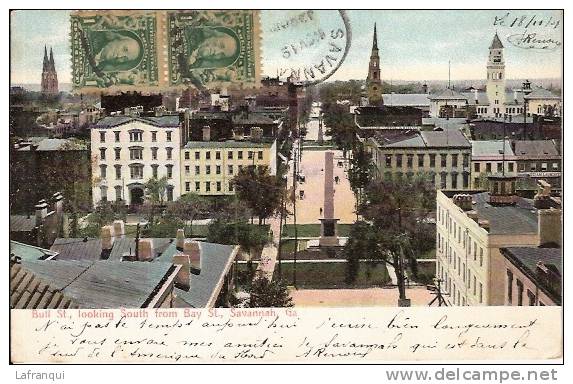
[(294, 175), (137, 242)]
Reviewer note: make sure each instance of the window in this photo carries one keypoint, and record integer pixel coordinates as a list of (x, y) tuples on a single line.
[(218, 155), (135, 136), (154, 170), (102, 136), (499, 167), (186, 155), (136, 153), (443, 160), (509, 287), (250, 155), (169, 171), (477, 167), (231, 186), (409, 161), (533, 167), (168, 135), (488, 167), (103, 171), (102, 153), (466, 160), (475, 285), (481, 257), (399, 161), (197, 186), (118, 196), (117, 153), (511, 167), (454, 161), (197, 170), (240, 155), (555, 166), (117, 172), (103, 192), (454, 180), (480, 292), (230, 169), (154, 153), (169, 193), (443, 181), (466, 180), (230, 155), (197, 155), (136, 171), (116, 136), (218, 186), (208, 155), (530, 298), (169, 153), (521, 167), (154, 136), (187, 186), (519, 292), (208, 186), (432, 160), (544, 166), (421, 161), (218, 170), (260, 155), (187, 169), (207, 169)]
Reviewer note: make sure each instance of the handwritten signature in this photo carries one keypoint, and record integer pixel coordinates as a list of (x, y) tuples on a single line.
[(534, 40), (526, 21)]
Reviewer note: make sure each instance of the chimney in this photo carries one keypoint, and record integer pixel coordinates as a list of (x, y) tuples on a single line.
[(146, 250), (41, 211), (463, 200), (107, 237), (542, 200), (183, 278), (119, 228), (549, 227), (515, 94), (58, 203), (206, 133), (180, 242), (425, 88), (193, 249), (472, 215), (484, 224), (475, 94)]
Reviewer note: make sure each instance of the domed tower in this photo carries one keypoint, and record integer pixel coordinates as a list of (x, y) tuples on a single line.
[(49, 75), (373, 81)]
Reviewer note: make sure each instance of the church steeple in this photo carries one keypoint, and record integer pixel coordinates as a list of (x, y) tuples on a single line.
[(49, 74), (373, 81), (52, 64), (45, 67)]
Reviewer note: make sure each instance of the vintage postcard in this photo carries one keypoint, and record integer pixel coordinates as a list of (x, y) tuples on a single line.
[(294, 186)]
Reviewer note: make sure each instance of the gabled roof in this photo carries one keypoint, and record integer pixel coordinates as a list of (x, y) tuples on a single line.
[(542, 93), (22, 223), (448, 94), (496, 42), (167, 121)]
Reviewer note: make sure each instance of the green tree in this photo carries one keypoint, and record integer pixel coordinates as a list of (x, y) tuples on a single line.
[(341, 124), (259, 190), (155, 189), (362, 245), (269, 294), (397, 209), (361, 171), (188, 207)]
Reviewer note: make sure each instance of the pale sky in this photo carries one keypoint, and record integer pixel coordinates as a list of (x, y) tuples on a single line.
[(414, 45)]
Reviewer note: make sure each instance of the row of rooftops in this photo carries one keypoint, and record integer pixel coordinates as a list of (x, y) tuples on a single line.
[(414, 138), (97, 273)]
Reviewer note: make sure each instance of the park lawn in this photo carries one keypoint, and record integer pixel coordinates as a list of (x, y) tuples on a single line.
[(287, 246), (431, 254), (313, 230), (332, 275)]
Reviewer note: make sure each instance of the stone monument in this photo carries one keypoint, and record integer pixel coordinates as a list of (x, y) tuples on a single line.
[(328, 230)]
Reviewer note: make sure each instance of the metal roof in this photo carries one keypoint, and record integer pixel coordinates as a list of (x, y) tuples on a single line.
[(531, 149), (77, 248), (216, 260), (22, 223), (29, 252), (406, 99), (225, 144), (103, 284), (517, 219), (496, 42), (491, 148), (445, 139)]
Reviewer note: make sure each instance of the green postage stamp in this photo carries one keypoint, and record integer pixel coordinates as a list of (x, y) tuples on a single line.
[(153, 50), (213, 48), (114, 50)]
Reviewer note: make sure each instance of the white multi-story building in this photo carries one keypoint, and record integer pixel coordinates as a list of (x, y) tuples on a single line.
[(127, 151), (491, 157), (473, 227)]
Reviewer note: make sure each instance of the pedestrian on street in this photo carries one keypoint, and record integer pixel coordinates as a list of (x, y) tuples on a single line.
[(321, 211)]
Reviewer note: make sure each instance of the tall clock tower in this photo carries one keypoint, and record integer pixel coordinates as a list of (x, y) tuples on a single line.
[(373, 82), (495, 86)]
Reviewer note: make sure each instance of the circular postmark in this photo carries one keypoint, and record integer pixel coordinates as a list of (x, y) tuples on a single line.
[(306, 46)]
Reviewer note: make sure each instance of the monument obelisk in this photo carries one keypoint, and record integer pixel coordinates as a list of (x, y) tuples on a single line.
[(328, 232)]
